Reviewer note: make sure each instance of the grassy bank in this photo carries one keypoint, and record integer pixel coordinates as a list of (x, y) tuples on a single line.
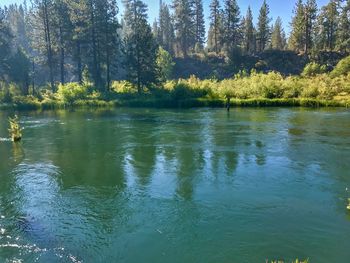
[(187, 103)]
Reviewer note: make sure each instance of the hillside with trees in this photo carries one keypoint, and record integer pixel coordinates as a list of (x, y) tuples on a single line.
[(53, 49)]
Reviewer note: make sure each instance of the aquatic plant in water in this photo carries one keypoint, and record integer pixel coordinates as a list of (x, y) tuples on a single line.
[(15, 129), (348, 207)]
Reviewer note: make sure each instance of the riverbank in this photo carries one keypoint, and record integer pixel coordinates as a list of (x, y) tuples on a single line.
[(168, 103), (243, 90)]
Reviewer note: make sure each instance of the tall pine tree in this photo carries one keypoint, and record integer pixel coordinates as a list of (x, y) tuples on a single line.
[(184, 26), (232, 23), (263, 28), (141, 47), (248, 33), (215, 32), (166, 29), (343, 37), (328, 22), (199, 24), (278, 36)]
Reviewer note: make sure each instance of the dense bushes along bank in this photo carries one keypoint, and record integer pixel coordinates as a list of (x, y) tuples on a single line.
[(313, 88)]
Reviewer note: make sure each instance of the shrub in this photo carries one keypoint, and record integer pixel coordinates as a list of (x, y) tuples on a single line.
[(342, 68), (71, 92), (313, 69), (191, 88), (123, 87), (26, 102), (5, 95)]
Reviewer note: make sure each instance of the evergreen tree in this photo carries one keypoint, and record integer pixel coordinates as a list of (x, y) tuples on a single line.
[(42, 36), (166, 29), (199, 24), (141, 48), (343, 41), (184, 25), (248, 33), (79, 17), (16, 19), (19, 69), (156, 32), (232, 23), (264, 30), (328, 22), (215, 25), (5, 42), (109, 39), (63, 33), (297, 38), (310, 10), (94, 63), (278, 36)]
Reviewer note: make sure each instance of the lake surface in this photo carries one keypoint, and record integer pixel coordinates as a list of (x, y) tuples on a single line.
[(139, 185)]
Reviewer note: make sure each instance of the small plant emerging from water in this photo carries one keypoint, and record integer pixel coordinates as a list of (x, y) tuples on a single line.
[(348, 207), (15, 129)]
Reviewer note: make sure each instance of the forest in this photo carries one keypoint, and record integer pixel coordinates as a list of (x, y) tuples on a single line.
[(88, 52)]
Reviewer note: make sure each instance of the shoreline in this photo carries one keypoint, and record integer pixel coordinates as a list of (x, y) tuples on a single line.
[(182, 104)]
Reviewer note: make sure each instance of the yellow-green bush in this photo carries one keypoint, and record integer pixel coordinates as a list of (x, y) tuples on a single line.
[(26, 102), (71, 92), (342, 68), (313, 69), (123, 87)]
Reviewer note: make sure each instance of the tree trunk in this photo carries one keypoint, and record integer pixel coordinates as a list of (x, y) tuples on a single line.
[(48, 45), (96, 72), (79, 66), (62, 55)]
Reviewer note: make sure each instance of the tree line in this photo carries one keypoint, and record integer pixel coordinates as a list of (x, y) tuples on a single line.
[(59, 41)]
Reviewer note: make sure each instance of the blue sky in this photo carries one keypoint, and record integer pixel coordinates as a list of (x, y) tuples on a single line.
[(282, 8)]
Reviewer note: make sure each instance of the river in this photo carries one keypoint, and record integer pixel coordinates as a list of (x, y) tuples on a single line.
[(201, 185)]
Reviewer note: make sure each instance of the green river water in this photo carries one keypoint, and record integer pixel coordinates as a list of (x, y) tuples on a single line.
[(203, 185)]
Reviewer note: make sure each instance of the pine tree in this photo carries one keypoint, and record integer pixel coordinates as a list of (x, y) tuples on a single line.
[(184, 25), (42, 35), (215, 24), (310, 15), (166, 29), (63, 30), (156, 32), (141, 48), (263, 34), (5, 42), (328, 22), (16, 19), (108, 38), (19, 68), (278, 36), (248, 34), (94, 63), (199, 24), (297, 37), (78, 15), (232, 23), (343, 37)]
